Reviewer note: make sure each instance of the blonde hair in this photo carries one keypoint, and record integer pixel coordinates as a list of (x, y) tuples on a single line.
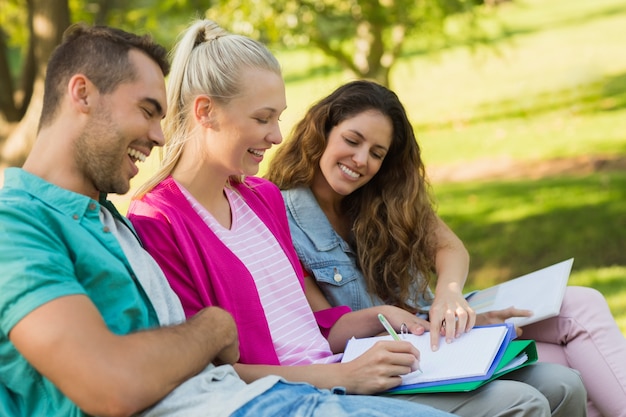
[(207, 59)]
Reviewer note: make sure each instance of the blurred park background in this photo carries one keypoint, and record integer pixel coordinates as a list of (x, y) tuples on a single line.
[(519, 106)]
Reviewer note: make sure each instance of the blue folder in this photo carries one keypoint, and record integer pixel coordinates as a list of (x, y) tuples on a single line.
[(509, 350)]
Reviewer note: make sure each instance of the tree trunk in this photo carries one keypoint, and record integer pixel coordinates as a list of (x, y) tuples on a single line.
[(369, 53), (47, 21), (7, 99)]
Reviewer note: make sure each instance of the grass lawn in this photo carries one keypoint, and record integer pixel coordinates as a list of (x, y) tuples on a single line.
[(558, 90), (515, 227)]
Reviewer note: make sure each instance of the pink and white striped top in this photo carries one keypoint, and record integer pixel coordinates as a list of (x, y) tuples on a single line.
[(295, 334)]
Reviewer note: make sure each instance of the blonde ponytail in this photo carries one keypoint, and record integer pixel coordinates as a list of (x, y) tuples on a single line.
[(207, 59)]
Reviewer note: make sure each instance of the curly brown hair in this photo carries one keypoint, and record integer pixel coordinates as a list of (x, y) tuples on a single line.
[(393, 218)]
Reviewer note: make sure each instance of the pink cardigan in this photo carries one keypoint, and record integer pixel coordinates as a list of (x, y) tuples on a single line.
[(204, 272)]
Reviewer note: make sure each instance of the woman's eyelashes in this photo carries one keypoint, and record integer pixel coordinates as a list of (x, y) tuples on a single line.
[(351, 142), (147, 112), (266, 116), (376, 154)]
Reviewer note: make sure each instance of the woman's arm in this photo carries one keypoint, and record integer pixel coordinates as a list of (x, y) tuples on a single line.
[(449, 306), (362, 323), (314, 294), (365, 323), (377, 370)]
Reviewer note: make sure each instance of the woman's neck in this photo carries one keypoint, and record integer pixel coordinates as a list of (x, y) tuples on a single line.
[(330, 203), (207, 187)]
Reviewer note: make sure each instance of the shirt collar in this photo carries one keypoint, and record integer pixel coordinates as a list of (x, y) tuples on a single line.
[(58, 198), (310, 218)]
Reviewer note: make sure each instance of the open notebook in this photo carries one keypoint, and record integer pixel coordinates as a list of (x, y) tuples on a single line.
[(541, 291), (463, 365)]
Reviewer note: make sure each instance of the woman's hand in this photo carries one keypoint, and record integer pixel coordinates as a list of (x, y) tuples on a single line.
[(398, 318), (380, 367), (450, 316), (499, 316)]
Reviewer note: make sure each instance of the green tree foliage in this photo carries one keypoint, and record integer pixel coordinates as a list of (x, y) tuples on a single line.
[(29, 31), (364, 36), (19, 39), (44, 22)]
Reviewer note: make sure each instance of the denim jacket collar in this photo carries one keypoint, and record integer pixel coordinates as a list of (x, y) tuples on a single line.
[(310, 218)]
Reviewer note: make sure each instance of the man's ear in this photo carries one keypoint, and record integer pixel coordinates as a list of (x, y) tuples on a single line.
[(202, 110), (81, 92)]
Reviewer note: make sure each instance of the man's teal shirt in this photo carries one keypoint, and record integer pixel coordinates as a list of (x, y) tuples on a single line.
[(53, 244)]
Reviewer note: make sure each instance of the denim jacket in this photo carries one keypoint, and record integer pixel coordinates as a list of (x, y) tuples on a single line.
[(325, 255)]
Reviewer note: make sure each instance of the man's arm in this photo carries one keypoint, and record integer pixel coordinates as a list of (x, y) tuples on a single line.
[(107, 374)]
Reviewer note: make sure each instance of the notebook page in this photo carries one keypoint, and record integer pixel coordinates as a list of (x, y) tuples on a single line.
[(540, 291), (470, 355)]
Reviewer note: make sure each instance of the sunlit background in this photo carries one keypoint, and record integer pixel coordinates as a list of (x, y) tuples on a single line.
[(522, 124)]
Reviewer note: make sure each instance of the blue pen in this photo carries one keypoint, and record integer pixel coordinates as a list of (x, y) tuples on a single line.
[(388, 327)]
